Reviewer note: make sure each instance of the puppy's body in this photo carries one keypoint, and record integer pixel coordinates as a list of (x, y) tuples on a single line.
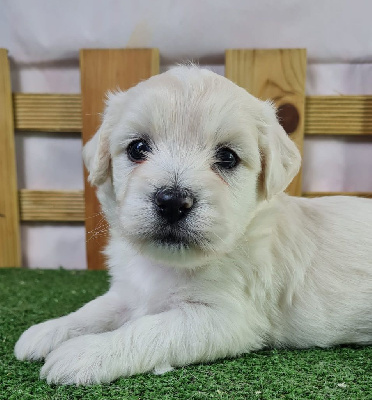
[(245, 266), (294, 284)]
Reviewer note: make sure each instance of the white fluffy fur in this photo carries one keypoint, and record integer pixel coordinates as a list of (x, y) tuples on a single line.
[(266, 269)]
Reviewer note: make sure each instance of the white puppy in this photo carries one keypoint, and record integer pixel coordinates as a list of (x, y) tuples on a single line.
[(208, 257)]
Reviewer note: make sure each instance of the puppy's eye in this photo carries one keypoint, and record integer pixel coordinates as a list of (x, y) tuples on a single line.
[(138, 150), (226, 158)]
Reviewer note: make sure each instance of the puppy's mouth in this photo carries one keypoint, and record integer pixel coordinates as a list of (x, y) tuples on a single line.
[(176, 244), (174, 238)]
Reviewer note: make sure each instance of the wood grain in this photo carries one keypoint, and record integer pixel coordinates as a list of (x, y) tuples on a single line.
[(10, 253), (338, 115), (47, 112), (69, 206), (103, 70), (278, 75), (324, 115), (51, 205), (367, 195)]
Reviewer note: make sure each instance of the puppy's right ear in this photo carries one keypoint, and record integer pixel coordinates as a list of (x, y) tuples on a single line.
[(96, 155), (96, 152)]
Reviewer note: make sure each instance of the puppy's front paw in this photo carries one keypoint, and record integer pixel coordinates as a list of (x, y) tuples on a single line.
[(39, 340), (83, 360)]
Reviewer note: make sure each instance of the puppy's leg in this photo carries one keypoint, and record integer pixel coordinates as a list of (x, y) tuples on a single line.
[(102, 314), (181, 336)]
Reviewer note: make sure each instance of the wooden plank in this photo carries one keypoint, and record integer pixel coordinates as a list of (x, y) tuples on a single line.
[(338, 115), (367, 195), (47, 112), (10, 252), (51, 205), (69, 206), (279, 75), (103, 70), (324, 115)]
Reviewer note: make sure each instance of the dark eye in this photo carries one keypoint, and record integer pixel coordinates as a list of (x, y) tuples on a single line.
[(137, 150), (226, 158)]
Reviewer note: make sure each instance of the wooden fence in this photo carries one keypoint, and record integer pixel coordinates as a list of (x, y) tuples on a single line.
[(277, 74)]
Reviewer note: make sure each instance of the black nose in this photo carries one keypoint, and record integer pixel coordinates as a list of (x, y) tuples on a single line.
[(173, 204)]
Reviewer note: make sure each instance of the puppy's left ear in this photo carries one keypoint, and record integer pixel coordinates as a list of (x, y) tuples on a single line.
[(96, 152), (280, 158)]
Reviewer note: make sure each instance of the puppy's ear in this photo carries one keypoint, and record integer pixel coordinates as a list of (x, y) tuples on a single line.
[(96, 152), (280, 158), (96, 156)]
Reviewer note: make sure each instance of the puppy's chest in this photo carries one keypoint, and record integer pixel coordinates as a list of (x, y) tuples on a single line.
[(149, 288)]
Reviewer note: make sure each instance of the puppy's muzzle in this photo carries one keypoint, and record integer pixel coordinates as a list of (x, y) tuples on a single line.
[(173, 204)]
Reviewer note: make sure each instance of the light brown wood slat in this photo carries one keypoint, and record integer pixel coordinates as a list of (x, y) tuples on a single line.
[(69, 206), (103, 70), (10, 252), (334, 118), (328, 105), (52, 205), (338, 115), (47, 112), (338, 98), (367, 195), (346, 124), (277, 74), (324, 115)]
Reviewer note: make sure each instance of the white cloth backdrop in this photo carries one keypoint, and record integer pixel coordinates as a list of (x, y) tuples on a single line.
[(44, 38)]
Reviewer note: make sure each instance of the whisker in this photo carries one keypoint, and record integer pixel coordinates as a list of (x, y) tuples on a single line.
[(94, 215)]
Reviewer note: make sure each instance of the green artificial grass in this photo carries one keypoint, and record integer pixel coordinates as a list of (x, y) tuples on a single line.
[(31, 296)]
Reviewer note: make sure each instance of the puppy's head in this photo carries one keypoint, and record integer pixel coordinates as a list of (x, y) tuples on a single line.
[(182, 161)]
